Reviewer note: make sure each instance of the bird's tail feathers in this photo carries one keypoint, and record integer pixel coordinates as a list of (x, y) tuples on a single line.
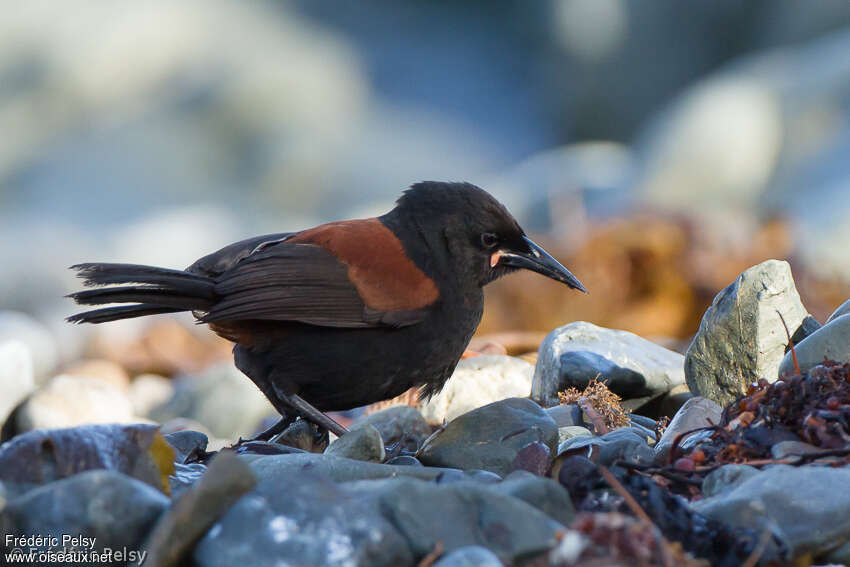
[(151, 290)]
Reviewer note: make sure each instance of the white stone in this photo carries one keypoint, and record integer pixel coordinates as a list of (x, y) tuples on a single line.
[(661, 368), (148, 391), (478, 381), (16, 376), (68, 401), (15, 325)]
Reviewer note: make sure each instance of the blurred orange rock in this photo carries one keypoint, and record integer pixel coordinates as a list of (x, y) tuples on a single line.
[(105, 370), (165, 347)]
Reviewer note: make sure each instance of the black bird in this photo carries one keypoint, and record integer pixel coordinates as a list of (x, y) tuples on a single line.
[(347, 313)]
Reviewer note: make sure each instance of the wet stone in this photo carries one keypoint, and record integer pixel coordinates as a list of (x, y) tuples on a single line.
[(114, 509), (491, 437), (362, 444), (625, 444)]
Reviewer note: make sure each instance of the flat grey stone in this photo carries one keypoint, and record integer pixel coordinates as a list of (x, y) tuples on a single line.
[(741, 337), (275, 468), (631, 366)]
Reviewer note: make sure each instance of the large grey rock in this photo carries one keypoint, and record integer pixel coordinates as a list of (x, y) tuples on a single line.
[(222, 399), (301, 519), (741, 337), (470, 556), (697, 412), (362, 444), (197, 509), (114, 509), (491, 437), (478, 381), (45, 456), (459, 515), (399, 424), (16, 376), (69, 401), (626, 444), (806, 507), (830, 342), (631, 366)]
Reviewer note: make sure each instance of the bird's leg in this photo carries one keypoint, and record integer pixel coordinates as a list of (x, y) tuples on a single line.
[(311, 414), (279, 427)]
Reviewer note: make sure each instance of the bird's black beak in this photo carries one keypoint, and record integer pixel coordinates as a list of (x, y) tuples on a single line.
[(537, 260)]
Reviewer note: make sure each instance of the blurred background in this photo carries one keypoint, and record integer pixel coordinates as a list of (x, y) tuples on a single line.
[(658, 148)]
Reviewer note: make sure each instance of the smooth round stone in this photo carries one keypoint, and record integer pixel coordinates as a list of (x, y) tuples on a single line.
[(565, 433), (361, 444), (405, 461), (832, 341), (472, 556)]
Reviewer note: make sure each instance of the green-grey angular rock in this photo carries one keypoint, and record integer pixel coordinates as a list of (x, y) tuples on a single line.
[(741, 337), (490, 437), (458, 515), (116, 510), (830, 342), (361, 444)]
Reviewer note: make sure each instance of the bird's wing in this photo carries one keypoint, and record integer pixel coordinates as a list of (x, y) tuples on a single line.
[(222, 260), (350, 274)]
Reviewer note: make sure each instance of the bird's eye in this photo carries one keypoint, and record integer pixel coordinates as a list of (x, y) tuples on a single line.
[(489, 240)]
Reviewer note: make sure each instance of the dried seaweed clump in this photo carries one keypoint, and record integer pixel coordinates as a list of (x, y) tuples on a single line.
[(601, 400), (619, 540)]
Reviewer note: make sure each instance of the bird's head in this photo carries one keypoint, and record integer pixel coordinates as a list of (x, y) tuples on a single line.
[(465, 226)]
